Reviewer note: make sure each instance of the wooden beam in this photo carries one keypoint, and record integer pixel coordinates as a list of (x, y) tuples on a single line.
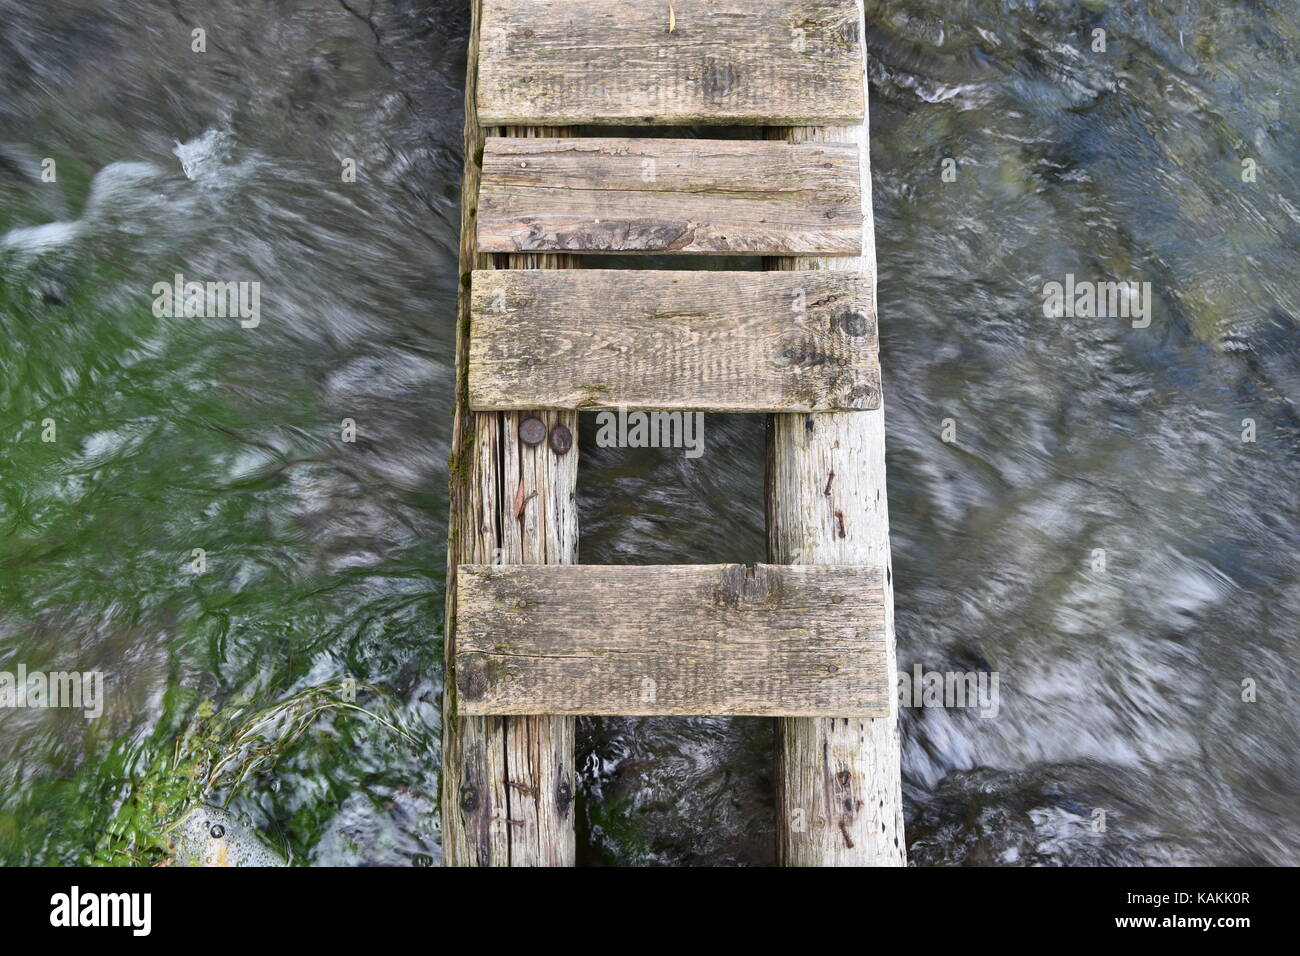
[(507, 782), (839, 800), (686, 196), (706, 341), (568, 62), (676, 639)]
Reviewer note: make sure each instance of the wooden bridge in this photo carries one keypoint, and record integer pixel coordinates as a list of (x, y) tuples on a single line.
[(534, 639)]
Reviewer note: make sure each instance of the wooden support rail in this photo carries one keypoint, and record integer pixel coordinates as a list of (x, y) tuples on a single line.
[(839, 799), (507, 782)]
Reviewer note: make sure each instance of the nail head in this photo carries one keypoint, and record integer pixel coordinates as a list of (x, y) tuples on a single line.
[(532, 431), (561, 439)]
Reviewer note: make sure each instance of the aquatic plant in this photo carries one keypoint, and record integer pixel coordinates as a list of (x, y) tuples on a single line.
[(212, 762)]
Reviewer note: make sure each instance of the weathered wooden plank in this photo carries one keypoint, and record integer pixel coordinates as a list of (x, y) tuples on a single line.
[(507, 782), (839, 799), (677, 639), (692, 196), (724, 62), (705, 341)]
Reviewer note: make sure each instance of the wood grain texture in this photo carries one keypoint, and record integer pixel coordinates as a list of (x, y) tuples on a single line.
[(567, 62), (839, 797), (704, 341), (507, 782), (678, 639), (688, 196)]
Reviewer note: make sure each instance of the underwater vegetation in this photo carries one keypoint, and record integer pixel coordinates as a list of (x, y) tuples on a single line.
[(167, 815)]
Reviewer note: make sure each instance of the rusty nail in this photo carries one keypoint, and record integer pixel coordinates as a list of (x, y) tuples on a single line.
[(521, 500), (848, 840), (561, 439), (532, 430)]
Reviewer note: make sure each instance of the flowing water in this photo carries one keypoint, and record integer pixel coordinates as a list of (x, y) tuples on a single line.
[(1075, 503)]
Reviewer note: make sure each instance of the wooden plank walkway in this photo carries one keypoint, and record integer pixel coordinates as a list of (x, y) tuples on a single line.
[(528, 646), (725, 62), (719, 639), (704, 341), (685, 196)]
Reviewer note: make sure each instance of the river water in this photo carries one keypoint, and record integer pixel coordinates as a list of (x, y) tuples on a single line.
[(1102, 512)]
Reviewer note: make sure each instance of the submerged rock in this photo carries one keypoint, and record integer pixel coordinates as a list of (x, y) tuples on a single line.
[(213, 837)]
